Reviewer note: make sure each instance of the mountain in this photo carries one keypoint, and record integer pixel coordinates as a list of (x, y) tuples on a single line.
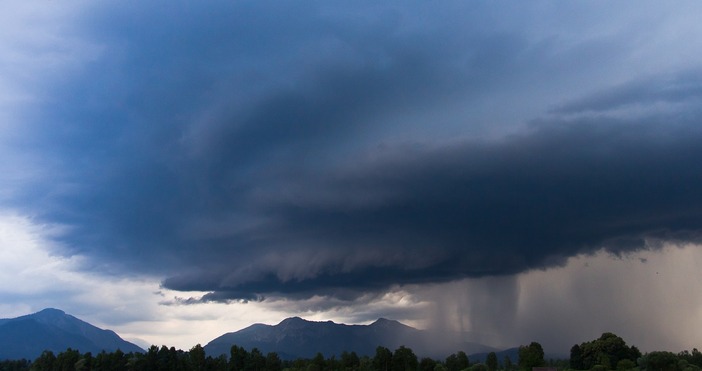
[(296, 337), (52, 329)]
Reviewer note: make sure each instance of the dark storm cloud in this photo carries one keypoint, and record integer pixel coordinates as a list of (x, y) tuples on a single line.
[(476, 208), (252, 150)]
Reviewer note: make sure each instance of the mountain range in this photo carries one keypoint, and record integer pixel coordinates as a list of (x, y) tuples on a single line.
[(296, 337), (52, 329)]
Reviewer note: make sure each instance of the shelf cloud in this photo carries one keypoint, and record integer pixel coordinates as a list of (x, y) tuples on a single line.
[(291, 151)]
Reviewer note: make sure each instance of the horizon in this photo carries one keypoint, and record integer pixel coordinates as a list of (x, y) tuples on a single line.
[(146, 346), (520, 172)]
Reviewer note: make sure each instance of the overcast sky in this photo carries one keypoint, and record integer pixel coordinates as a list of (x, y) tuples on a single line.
[(522, 171)]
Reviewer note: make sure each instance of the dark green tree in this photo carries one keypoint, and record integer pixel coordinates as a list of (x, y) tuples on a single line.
[(217, 364), (491, 361), (257, 362), (661, 361), (45, 361), (607, 351), (238, 358), (365, 364), (427, 364), (14, 365), (383, 359), (457, 361), (197, 358), (299, 364), (350, 361), (66, 360), (85, 363), (692, 358), (576, 358), (531, 356), (318, 362), (451, 363), (404, 359), (166, 359), (332, 363), (462, 359), (151, 358), (625, 364), (273, 362), (508, 363)]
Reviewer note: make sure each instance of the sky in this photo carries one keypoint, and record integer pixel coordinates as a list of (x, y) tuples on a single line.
[(519, 171)]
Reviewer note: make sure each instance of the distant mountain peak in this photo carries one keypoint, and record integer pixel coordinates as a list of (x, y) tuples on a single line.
[(27, 336), (51, 311), (295, 337), (302, 320), (49, 314), (382, 320), (290, 320), (388, 323), (292, 323)]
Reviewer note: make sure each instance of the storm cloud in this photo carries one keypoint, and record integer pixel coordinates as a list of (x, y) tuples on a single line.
[(472, 209), (273, 149)]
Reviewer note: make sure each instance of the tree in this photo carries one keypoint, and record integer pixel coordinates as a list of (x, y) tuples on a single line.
[(45, 361), (15, 365), (427, 364), (452, 363), (66, 360), (257, 362), (462, 359), (238, 358), (576, 358), (607, 351), (508, 363), (217, 364), (167, 359), (318, 362), (86, 362), (273, 362), (625, 364), (531, 356), (350, 360), (197, 358), (383, 359), (365, 364), (661, 361), (692, 358), (457, 362), (81, 365), (404, 359), (491, 361), (332, 363)]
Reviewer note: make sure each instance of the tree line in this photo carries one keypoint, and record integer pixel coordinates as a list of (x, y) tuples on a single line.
[(609, 352), (240, 359)]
